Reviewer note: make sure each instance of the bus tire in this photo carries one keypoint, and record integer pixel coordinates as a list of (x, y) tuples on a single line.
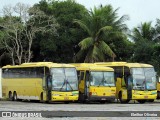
[(66, 102), (158, 95), (141, 101), (152, 100), (102, 102), (10, 96), (41, 97), (14, 96), (121, 100)]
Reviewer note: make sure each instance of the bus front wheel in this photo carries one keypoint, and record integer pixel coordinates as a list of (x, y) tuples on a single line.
[(151, 100), (41, 97), (121, 100)]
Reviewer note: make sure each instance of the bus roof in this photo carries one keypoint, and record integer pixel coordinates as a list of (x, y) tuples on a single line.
[(130, 65), (83, 64), (91, 67), (39, 64)]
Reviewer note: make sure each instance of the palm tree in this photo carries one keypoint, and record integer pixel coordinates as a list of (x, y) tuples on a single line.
[(144, 32), (99, 24), (145, 37)]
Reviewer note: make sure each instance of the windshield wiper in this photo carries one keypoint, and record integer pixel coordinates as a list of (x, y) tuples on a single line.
[(100, 82), (69, 84), (62, 85), (103, 83), (107, 83)]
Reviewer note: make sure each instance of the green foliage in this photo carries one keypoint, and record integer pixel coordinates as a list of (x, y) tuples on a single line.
[(95, 35), (156, 58), (101, 23), (68, 33)]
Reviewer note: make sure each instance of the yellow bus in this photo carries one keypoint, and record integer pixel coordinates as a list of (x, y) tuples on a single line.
[(44, 81), (134, 81), (95, 83)]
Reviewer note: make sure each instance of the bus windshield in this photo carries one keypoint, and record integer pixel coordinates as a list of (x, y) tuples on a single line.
[(144, 78), (102, 79), (64, 79)]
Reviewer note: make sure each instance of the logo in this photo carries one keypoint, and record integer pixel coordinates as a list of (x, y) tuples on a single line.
[(6, 114)]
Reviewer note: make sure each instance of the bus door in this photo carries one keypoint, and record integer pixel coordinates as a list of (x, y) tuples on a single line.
[(81, 82), (47, 84), (81, 85), (49, 87), (87, 84), (129, 82)]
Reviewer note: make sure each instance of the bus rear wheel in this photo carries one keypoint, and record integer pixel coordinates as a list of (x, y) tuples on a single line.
[(10, 96), (121, 100), (14, 96), (41, 98)]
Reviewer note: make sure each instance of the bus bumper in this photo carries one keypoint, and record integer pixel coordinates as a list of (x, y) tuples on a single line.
[(144, 97), (102, 98), (64, 98)]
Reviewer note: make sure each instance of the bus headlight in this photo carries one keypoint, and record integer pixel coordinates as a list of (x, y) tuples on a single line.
[(153, 93), (75, 93), (94, 93), (55, 94)]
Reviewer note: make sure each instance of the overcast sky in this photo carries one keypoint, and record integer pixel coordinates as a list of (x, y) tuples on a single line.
[(138, 10)]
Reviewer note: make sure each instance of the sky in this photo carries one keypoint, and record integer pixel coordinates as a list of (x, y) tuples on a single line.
[(139, 11)]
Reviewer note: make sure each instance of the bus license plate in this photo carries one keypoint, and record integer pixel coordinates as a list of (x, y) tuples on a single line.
[(145, 97), (66, 98), (103, 99)]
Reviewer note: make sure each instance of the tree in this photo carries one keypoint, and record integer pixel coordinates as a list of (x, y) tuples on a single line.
[(156, 48), (100, 24), (145, 37), (21, 29), (63, 46)]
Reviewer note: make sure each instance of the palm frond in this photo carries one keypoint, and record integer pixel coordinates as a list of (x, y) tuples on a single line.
[(82, 25), (89, 55), (106, 49), (79, 55), (98, 55), (104, 29), (86, 43)]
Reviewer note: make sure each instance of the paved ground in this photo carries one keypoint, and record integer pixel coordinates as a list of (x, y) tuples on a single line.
[(51, 108)]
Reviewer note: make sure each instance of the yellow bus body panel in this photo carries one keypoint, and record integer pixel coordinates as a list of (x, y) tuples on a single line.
[(65, 96), (103, 91), (29, 88), (158, 86), (136, 94)]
